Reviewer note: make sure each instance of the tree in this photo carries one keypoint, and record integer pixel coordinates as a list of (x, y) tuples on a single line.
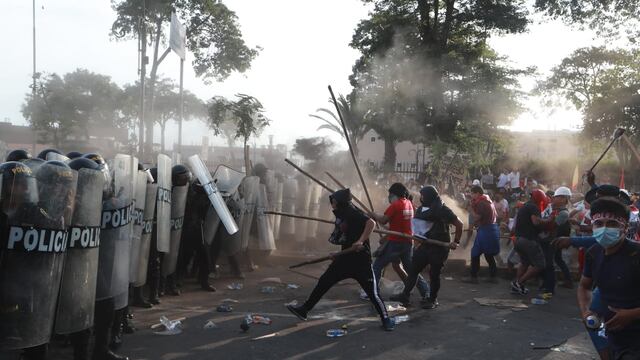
[(426, 71), (246, 114), (313, 149), (72, 104), (611, 18), (354, 121), (604, 85), (212, 31)]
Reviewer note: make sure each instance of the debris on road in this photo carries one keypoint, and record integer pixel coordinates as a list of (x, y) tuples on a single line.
[(224, 308), (292, 303), (400, 319), (293, 286), (268, 290), (172, 327), (270, 280), (235, 286), (394, 307), (210, 325), (233, 301), (333, 333), (501, 303)]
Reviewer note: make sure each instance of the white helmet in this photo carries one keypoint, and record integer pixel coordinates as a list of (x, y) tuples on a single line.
[(562, 191), (476, 182)]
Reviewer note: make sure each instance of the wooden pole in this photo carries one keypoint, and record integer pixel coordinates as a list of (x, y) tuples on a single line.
[(364, 207), (353, 155)]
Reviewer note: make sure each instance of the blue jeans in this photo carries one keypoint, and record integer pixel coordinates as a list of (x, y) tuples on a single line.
[(394, 251)]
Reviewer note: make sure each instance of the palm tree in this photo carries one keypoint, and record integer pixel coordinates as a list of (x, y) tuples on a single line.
[(353, 119)]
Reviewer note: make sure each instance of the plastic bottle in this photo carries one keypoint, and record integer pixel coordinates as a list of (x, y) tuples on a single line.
[(333, 333), (537, 301), (258, 319), (592, 322)]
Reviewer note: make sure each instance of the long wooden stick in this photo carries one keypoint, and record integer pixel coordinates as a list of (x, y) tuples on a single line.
[(324, 186), (364, 207), (353, 154), (379, 231), (324, 258)]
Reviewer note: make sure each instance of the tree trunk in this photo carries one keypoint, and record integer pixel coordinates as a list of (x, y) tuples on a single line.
[(163, 125), (247, 160), (389, 155)]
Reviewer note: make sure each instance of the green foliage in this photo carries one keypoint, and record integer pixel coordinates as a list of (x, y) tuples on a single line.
[(71, 104), (246, 114), (426, 72), (213, 33), (354, 120), (313, 148)]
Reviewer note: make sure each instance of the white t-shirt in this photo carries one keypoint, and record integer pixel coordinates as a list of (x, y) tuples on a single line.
[(502, 180), (515, 179)]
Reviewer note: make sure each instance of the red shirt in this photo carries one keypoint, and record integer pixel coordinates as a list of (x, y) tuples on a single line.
[(400, 213)]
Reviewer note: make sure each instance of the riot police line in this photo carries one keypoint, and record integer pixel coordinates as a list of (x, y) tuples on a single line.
[(78, 232)]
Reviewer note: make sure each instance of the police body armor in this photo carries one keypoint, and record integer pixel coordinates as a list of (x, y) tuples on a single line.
[(115, 233), (36, 211), (78, 288)]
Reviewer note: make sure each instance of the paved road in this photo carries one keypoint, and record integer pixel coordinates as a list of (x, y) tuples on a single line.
[(459, 329)]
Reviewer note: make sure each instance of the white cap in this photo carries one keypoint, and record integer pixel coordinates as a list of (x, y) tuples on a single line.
[(476, 182), (562, 191)]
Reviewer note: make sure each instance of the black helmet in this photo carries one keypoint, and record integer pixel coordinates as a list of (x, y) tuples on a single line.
[(83, 163), (18, 186), (154, 173), (102, 166), (180, 175), (74, 154), (55, 178), (17, 155), (33, 163), (43, 154)]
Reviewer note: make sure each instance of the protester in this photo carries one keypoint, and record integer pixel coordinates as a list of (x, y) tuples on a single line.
[(487, 240), (353, 228), (439, 217), (613, 266), (398, 216), (503, 180), (502, 208)]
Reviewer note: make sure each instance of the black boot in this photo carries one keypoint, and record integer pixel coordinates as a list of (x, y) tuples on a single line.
[(103, 322), (138, 299), (116, 330), (80, 342)]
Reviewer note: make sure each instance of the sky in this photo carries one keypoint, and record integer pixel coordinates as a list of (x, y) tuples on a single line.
[(305, 48)]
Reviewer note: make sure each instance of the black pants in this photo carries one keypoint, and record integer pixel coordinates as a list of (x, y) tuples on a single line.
[(475, 265), (353, 266), (102, 325), (435, 256)]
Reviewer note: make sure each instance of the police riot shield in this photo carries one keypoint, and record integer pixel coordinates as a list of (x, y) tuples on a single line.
[(289, 193), (302, 208), (272, 186), (78, 288), (314, 210), (203, 175), (278, 207), (139, 203), (178, 202), (210, 225), (231, 244), (250, 188), (140, 277), (36, 214), (115, 232), (265, 239), (163, 209), (227, 180)]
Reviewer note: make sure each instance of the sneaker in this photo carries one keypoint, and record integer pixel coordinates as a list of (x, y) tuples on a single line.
[(471, 280), (429, 303), (401, 298), (517, 288), (298, 311), (389, 324)]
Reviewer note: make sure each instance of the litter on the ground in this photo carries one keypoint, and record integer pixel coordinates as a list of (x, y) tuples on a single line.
[(259, 319), (293, 286), (171, 327), (235, 286), (393, 307), (210, 325), (233, 301), (400, 319), (501, 303), (333, 333), (272, 280), (224, 308), (268, 290), (292, 303)]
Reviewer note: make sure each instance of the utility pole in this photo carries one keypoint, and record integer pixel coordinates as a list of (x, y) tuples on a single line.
[(142, 46), (34, 76)]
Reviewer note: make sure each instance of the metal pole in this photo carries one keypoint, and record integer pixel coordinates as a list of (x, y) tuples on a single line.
[(142, 33), (33, 85), (181, 111)]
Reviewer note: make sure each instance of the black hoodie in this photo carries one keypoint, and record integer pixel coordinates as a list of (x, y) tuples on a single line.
[(350, 220), (434, 210)]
